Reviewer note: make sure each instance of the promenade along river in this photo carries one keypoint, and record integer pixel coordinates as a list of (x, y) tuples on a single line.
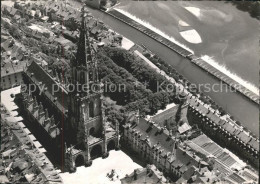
[(237, 105)]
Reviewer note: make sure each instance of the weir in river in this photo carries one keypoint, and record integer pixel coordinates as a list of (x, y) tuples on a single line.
[(223, 77), (186, 53)]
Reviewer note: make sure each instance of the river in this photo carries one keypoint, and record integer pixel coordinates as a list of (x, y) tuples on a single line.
[(234, 103), (226, 33)]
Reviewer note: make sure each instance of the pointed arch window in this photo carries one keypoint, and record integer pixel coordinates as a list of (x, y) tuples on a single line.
[(91, 109), (91, 75), (82, 77)]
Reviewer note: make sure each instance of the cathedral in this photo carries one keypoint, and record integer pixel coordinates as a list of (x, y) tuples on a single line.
[(72, 117)]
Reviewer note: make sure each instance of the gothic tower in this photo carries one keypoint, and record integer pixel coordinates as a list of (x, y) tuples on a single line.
[(85, 90)]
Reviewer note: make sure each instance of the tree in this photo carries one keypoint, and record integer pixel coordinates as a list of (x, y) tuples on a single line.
[(147, 55), (103, 3), (238, 123), (211, 164)]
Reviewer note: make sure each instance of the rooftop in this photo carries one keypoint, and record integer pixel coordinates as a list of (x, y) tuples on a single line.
[(150, 174), (207, 147), (21, 146), (11, 68), (40, 75), (230, 127), (154, 135)]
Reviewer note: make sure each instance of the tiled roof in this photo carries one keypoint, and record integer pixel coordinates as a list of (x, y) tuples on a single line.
[(96, 29), (154, 134), (189, 173), (233, 129), (212, 148), (243, 137), (184, 159), (10, 68), (197, 148), (8, 8), (40, 75), (6, 45), (254, 144), (13, 11), (153, 175), (23, 154), (235, 177), (224, 159), (208, 145), (92, 22), (165, 114)]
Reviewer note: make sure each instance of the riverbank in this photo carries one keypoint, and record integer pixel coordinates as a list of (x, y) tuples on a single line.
[(215, 22), (220, 121), (169, 42), (234, 103), (205, 63)]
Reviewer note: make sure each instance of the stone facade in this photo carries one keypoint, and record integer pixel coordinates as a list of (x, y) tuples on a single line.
[(77, 113), (183, 157), (227, 135), (156, 145)]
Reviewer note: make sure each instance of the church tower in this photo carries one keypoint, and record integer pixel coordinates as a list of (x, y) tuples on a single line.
[(85, 95)]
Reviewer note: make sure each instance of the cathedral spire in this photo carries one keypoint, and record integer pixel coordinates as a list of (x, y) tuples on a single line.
[(84, 50)]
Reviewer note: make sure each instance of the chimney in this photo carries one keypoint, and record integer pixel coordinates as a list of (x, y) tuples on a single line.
[(40, 107), (160, 129), (57, 76), (30, 98), (66, 80), (35, 99), (46, 114), (170, 133), (52, 120), (208, 111), (147, 137)]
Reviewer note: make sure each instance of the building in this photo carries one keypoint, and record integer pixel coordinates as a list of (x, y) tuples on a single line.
[(183, 155), (156, 145), (23, 158), (150, 174), (225, 131), (202, 175), (74, 106), (11, 74)]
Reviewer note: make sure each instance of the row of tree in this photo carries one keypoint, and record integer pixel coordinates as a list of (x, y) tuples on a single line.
[(125, 90), (172, 72), (135, 96), (154, 101)]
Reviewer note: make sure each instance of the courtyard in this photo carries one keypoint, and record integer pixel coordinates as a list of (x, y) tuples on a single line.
[(100, 172)]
